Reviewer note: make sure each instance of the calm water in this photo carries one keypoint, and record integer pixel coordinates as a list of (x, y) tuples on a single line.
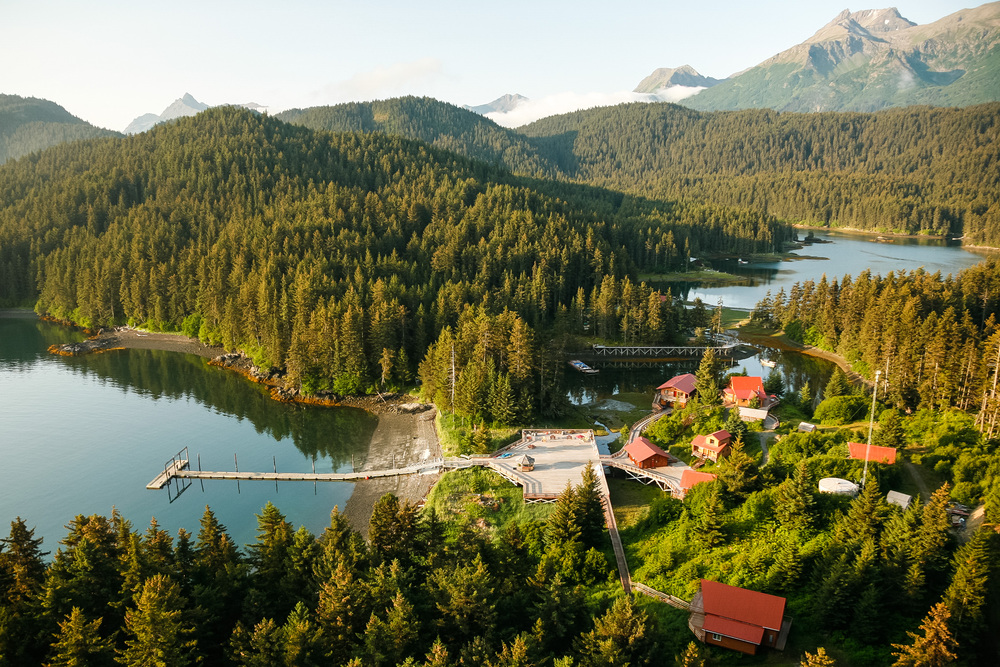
[(846, 254), (83, 435)]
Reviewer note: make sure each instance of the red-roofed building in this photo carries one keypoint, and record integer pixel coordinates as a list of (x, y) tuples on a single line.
[(691, 477), (745, 392), (876, 454), (713, 446), (738, 618), (645, 454), (676, 391)]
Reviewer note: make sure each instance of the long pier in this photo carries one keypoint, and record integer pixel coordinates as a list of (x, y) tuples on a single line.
[(180, 469)]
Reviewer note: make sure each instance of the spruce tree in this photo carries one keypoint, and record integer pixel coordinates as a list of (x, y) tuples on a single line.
[(709, 523), (588, 509), (738, 472), (934, 648), (562, 525), (817, 659), (620, 637), (708, 379), (837, 385), (692, 656), (890, 431), (79, 643), (160, 633), (795, 499)]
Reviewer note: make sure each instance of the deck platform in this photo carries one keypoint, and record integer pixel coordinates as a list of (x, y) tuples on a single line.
[(173, 469)]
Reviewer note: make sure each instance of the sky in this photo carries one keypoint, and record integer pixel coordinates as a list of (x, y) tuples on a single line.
[(108, 61)]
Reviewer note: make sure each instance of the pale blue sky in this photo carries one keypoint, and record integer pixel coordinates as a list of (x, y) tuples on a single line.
[(110, 61)]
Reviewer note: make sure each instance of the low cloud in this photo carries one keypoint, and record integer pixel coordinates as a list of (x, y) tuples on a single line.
[(532, 110), (390, 81)]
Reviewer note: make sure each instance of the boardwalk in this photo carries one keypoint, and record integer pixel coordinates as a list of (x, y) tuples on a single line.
[(560, 457)]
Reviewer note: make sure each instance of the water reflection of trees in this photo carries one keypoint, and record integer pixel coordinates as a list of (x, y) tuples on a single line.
[(317, 432)]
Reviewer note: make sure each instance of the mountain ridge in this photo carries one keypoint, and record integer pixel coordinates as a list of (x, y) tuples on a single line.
[(873, 59)]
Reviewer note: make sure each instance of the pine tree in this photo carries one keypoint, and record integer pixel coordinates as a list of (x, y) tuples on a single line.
[(708, 379), (795, 499), (934, 648), (837, 385), (620, 637), (588, 509), (966, 595), (562, 525), (158, 627), (709, 524), (79, 643), (774, 384), (817, 659), (691, 657), (890, 431), (738, 472)]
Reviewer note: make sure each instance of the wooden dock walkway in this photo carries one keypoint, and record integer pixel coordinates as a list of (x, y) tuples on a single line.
[(180, 469)]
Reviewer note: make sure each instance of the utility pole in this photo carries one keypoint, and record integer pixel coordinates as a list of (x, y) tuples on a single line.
[(871, 423)]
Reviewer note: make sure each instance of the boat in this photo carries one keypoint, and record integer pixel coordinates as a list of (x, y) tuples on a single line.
[(768, 363), (582, 367), (742, 261)]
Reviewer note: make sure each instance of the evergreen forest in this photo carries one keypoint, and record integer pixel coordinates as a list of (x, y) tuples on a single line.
[(913, 170), (338, 258)]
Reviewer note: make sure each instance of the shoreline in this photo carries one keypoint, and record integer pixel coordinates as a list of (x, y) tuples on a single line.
[(404, 434), (853, 231), (780, 341)]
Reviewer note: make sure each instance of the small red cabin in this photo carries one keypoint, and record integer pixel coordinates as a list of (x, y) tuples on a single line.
[(713, 446), (645, 454), (738, 618)]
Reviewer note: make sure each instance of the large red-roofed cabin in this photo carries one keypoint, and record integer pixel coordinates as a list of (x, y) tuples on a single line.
[(676, 391), (738, 618), (645, 454), (876, 453)]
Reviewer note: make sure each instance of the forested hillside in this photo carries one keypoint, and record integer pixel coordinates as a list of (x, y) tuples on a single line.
[(339, 257), (437, 123), (935, 339), (29, 124), (916, 170), (913, 170)]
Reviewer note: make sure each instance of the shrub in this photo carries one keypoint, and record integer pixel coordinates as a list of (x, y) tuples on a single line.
[(841, 410)]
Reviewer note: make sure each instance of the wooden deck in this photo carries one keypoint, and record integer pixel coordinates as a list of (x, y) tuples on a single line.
[(173, 467)]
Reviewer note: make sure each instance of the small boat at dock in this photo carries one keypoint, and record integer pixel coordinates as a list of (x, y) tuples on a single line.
[(768, 363), (582, 367)]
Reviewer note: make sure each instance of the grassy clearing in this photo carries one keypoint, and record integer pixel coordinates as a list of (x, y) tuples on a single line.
[(484, 498), (455, 434), (631, 500), (704, 276)]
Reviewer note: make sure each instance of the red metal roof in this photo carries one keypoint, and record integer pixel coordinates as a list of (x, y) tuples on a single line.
[(691, 477), (641, 449), (876, 453), (742, 605), (744, 388), (735, 629), (685, 383)]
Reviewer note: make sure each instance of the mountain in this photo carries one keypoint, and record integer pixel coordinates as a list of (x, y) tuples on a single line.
[(668, 77), (502, 104), (873, 59), (179, 108), (29, 124)]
